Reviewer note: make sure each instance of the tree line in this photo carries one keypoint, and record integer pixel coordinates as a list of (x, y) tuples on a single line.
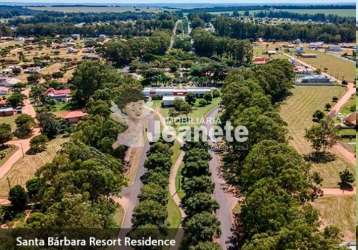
[(150, 215), (330, 33), (206, 44), (319, 17), (200, 224), (275, 180)]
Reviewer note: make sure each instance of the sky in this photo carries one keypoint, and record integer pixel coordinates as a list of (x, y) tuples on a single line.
[(181, 1)]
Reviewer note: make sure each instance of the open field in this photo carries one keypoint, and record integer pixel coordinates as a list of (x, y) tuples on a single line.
[(297, 111), (338, 12), (26, 167), (338, 211), (97, 9), (339, 68), (118, 215)]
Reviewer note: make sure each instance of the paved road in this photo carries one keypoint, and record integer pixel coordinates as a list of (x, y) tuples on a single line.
[(129, 195), (338, 192), (226, 200)]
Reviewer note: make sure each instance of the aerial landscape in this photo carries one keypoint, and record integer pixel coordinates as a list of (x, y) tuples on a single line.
[(200, 125)]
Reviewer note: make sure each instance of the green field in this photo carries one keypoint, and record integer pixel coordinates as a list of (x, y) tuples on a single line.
[(297, 111), (174, 216), (95, 9), (339, 68), (338, 12)]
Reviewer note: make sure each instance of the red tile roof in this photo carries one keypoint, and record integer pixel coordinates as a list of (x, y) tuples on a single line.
[(260, 60), (58, 92), (74, 114)]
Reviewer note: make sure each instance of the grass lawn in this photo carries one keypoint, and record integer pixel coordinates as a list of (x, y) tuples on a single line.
[(339, 68), (178, 183), (346, 109), (338, 211), (60, 106), (9, 120), (118, 216), (174, 216), (338, 12), (297, 112), (25, 168)]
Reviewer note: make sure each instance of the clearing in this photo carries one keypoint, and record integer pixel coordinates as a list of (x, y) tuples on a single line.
[(297, 111), (25, 168)]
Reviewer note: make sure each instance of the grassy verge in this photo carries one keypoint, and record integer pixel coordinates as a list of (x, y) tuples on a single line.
[(118, 216), (174, 216), (9, 120), (178, 183), (8, 151)]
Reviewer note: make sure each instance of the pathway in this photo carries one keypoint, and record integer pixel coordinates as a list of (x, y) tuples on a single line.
[(338, 192), (172, 39), (23, 145)]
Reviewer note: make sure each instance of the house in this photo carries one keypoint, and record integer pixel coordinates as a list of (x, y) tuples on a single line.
[(271, 52), (351, 120), (7, 111), (306, 55), (314, 80), (74, 116), (63, 95), (168, 101), (92, 57), (316, 45), (4, 91), (72, 50), (160, 92), (302, 70), (335, 48), (300, 50), (32, 70), (260, 60), (8, 81)]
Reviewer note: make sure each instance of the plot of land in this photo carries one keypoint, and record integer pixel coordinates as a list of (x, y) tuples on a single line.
[(338, 211), (338, 12), (298, 111), (339, 68), (26, 167)]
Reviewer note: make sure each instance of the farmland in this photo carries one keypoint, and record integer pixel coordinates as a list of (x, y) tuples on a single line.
[(338, 12)]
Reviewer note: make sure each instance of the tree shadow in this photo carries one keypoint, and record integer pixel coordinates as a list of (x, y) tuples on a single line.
[(320, 157)]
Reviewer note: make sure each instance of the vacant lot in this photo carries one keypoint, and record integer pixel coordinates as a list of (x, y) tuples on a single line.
[(26, 167), (339, 68), (338, 211), (297, 112)]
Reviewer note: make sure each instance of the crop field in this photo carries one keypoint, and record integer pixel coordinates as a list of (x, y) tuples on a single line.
[(337, 210), (96, 9), (26, 167), (338, 12), (297, 111), (339, 68)]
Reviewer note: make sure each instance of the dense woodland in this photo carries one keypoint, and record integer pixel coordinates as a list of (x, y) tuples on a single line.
[(273, 177), (330, 33)]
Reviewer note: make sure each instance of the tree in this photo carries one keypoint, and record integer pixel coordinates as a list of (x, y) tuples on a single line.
[(206, 245), (195, 184), (202, 103), (199, 202), (347, 179), (328, 106), (154, 192), (334, 99), (15, 99), (50, 125), (322, 136), (24, 125), (318, 116), (216, 93), (190, 98), (38, 143), (5, 133), (149, 212), (18, 198), (33, 187), (118, 52), (202, 227), (208, 97)]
